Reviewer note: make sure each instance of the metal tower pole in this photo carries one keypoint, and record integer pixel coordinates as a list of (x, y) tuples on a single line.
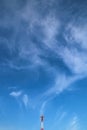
[(42, 122)]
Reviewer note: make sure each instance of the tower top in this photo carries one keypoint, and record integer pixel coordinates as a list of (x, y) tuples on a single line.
[(42, 118)]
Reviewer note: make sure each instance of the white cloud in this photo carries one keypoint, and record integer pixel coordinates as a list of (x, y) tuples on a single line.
[(74, 124), (75, 60), (74, 55), (51, 27), (60, 115), (43, 106), (16, 94), (22, 98), (61, 83), (25, 99), (48, 29), (77, 34)]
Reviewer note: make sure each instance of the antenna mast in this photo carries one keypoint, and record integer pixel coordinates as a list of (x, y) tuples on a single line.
[(42, 122)]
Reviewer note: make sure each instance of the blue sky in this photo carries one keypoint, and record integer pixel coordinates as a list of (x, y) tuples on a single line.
[(43, 64)]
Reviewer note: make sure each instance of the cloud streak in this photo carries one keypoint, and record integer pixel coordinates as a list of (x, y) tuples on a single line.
[(74, 124), (33, 41), (21, 97), (16, 94)]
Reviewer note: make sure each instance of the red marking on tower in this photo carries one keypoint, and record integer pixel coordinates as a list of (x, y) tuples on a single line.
[(42, 122)]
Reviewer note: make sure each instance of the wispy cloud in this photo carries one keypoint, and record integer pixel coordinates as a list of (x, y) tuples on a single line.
[(74, 124), (42, 38), (27, 47), (75, 54), (77, 34), (21, 97), (74, 57), (16, 94), (60, 115), (25, 100), (51, 26), (48, 29), (43, 106), (61, 83)]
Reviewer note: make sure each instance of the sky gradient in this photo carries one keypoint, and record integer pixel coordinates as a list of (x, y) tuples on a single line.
[(43, 64)]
